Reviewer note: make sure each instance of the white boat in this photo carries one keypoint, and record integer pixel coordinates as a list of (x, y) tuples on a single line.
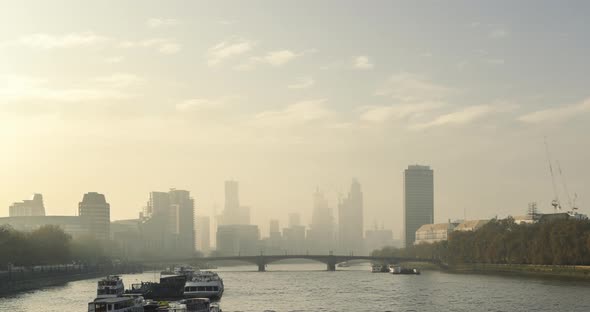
[(378, 268), (110, 287), (204, 284), (116, 304)]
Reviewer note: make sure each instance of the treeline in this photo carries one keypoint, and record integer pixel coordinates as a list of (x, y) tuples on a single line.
[(47, 245), (559, 242)]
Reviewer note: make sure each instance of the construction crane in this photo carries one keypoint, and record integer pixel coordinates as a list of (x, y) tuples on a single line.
[(565, 189), (555, 202)]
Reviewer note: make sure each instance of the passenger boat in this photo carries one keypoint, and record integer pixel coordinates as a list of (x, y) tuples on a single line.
[(116, 304), (188, 305), (343, 265), (204, 284), (110, 287), (399, 270), (378, 268), (169, 288)]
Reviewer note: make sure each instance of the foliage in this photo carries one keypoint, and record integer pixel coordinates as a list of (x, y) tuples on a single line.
[(48, 244), (558, 242)]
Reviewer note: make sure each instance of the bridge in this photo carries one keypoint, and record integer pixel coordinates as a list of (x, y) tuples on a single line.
[(330, 260)]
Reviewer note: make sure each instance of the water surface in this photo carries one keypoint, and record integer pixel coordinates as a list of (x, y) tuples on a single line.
[(308, 287)]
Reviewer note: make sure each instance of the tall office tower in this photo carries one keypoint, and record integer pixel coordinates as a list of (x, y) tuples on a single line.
[(418, 200), (182, 208), (158, 204), (28, 207), (203, 234), (274, 226), (350, 220), (321, 232), (294, 219), (232, 212), (95, 208)]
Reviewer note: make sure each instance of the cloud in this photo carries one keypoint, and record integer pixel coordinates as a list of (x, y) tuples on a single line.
[(495, 61), (17, 89), (228, 49), (161, 22), (48, 41), (406, 87), (205, 104), (385, 113), (466, 115), (362, 62), (120, 80), (498, 33), (276, 58), (300, 113), (557, 114), (114, 59), (164, 46), (226, 22), (302, 83)]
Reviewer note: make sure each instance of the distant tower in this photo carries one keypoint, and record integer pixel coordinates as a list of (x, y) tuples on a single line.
[(294, 220), (350, 220), (232, 213), (95, 207), (183, 211), (321, 232), (418, 200), (204, 234)]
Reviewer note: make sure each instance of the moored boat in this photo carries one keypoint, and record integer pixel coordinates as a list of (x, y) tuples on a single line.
[(378, 268), (204, 284), (110, 287), (399, 270), (116, 304)]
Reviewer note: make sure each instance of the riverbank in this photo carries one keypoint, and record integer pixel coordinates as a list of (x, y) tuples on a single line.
[(558, 271), (566, 271), (26, 279)]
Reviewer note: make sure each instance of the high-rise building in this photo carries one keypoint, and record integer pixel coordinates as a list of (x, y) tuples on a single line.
[(321, 233), (95, 207), (28, 207), (203, 234), (233, 213), (294, 219), (274, 226), (238, 239), (182, 208), (418, 200), (350, 220), (169, 222)]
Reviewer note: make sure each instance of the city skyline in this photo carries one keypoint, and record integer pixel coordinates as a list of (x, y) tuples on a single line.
[(192, 94)]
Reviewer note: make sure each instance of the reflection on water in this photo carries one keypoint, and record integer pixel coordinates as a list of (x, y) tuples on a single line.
[(307, 287)]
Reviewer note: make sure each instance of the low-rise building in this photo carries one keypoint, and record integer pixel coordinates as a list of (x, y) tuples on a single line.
[(471, 225), (432, 233)]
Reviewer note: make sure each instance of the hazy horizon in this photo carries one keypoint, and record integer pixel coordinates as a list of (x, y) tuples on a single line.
[(189, 94)]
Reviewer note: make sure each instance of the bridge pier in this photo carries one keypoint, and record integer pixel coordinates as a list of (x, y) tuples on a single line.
[(331, 267), (261, 267)]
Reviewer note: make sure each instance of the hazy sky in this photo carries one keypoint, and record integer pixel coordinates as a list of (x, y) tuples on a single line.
[(126, 97)]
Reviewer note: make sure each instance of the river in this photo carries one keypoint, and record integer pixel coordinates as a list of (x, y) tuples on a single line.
[(308, 287)]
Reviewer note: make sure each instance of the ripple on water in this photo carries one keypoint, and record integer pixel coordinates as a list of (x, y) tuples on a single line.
[(356, 289)]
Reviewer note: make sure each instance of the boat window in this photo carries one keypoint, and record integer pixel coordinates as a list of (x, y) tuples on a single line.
[(209, 288), (201, 288), (215, 288)]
